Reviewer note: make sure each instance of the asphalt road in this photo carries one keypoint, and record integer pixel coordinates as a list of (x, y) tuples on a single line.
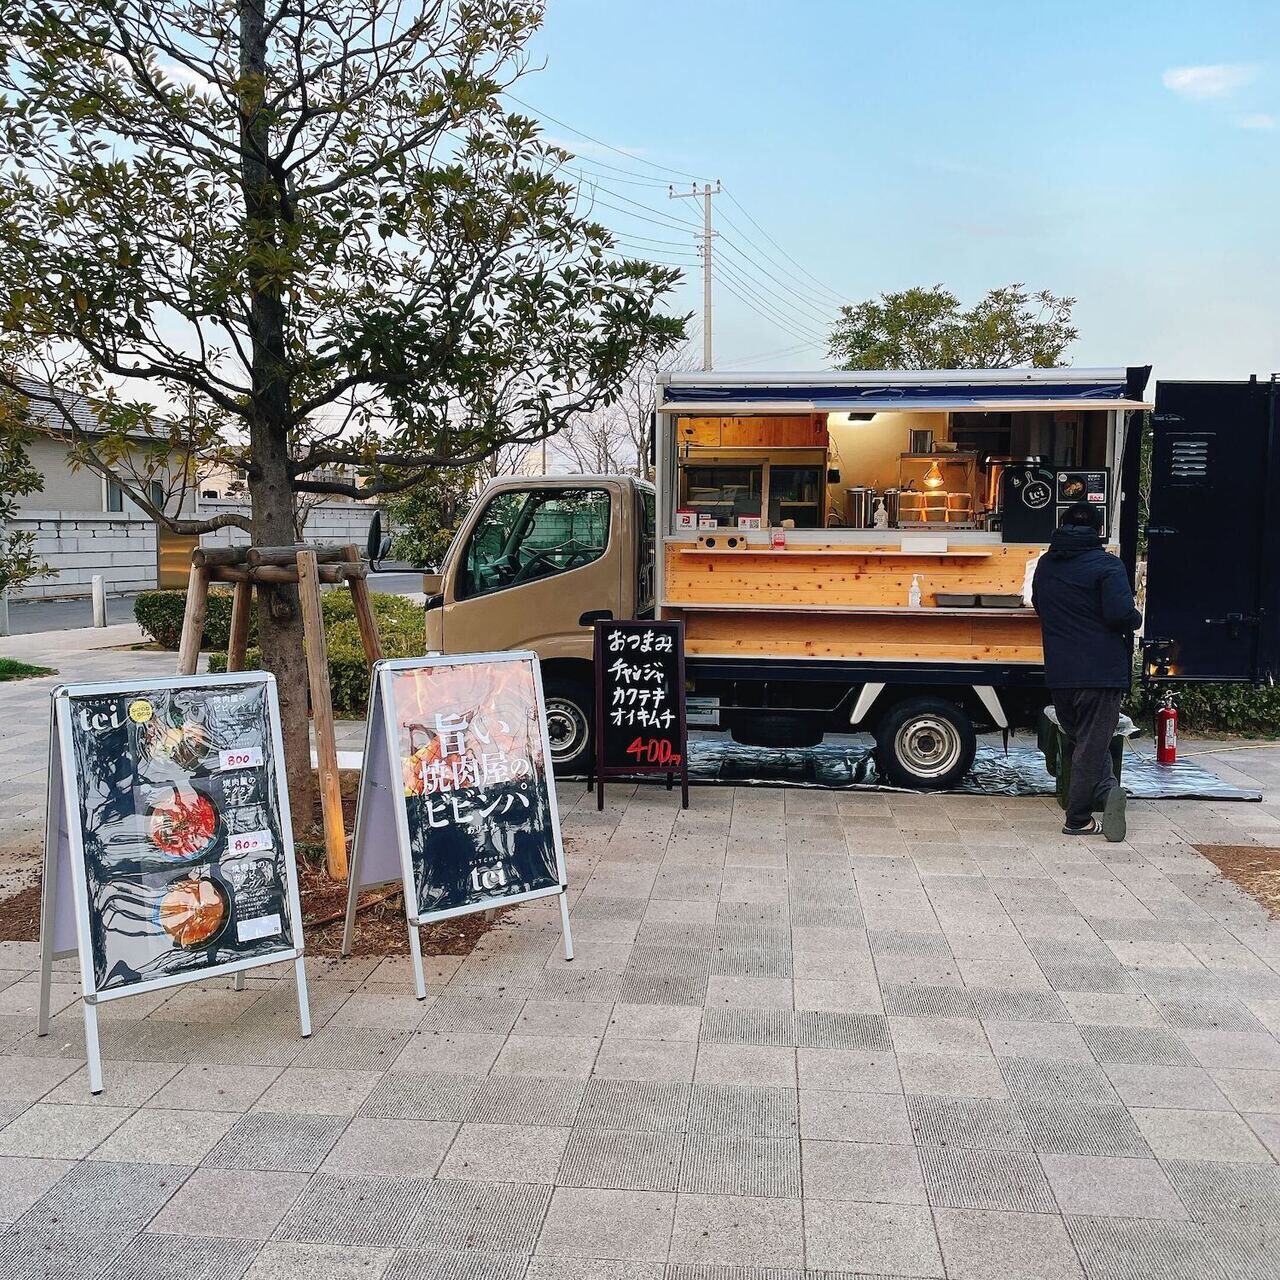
[(27, 617)]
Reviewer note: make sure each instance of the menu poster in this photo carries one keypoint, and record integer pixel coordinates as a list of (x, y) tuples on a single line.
[(478, 796), (640, 702), (457, 798), (180, 826)]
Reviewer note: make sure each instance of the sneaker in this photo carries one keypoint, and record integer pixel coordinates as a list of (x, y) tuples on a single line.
[(1090, 828), (1113, 823)]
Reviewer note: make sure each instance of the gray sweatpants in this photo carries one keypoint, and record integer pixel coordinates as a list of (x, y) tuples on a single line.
[(1088, 717)]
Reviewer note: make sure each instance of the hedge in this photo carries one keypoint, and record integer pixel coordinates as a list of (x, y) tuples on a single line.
[(400, 627)]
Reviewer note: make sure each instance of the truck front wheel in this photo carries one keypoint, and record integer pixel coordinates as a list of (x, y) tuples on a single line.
[(925, 743), (569, 708)]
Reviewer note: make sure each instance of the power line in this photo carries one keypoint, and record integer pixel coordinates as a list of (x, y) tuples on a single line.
[(782, 251), (755, 306), (770, 355), (662, 168), (763, 306), (822, 314), (797, 317)]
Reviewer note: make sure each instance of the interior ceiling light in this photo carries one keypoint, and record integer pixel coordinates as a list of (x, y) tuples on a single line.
[(933, 478)]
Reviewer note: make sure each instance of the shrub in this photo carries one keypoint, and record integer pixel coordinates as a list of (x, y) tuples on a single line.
[(159, 614), (399, 627), (1213, 708)]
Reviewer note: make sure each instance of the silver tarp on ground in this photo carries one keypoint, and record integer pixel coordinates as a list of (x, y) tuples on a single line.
[(848, 764)]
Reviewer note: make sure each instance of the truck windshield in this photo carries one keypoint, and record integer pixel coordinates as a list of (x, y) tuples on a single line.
[(527, 534)]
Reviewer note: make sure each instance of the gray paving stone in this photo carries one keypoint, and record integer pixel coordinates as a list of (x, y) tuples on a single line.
[(288, 1143), (737, 1230), (402, 1095), (1082, 1128), (104, 1197), (662, 988), (623, 1159), (155, 1257), (1209, 1015), (997, 1245), (591, 985), (746, 1110), (897, 942), (747, 961), (716, 1164), (886, 1239), (1111, 1186), (526, 1100), (1018, 1006), (424, 1264), (1057, 1078), (246, 1205), (489, 1217), (823, 1029), (966, 1179), (491, 1015), (27, 1253), (1215, 1192), (749, 1026), (641, 1105), (927, 1001), (685, 961), (983, 1123), (356, 1048), (630, 1226), (1145, 1046), (1138, 1249)]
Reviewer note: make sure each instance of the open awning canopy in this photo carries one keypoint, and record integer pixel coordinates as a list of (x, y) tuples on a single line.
[(936, 390)]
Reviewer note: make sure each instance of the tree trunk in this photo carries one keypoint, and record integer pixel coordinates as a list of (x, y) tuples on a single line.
[(270, 481)]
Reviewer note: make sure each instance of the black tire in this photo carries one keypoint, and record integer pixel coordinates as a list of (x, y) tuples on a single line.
[(926, 743), (569, 723), (776, 729)]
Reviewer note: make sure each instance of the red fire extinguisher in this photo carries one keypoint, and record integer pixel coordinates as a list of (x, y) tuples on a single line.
[(1167, 732)]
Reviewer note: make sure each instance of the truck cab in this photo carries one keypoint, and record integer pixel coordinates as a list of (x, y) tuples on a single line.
[(534, 564)]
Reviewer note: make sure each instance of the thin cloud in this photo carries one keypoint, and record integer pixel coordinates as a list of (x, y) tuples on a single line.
[(1258, 120), (1212, 80)]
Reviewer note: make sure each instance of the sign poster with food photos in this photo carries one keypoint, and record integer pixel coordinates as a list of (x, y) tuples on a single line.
[(175, 798), (457, 798)]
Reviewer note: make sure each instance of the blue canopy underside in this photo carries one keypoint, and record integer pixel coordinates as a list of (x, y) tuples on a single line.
[(901, 396)]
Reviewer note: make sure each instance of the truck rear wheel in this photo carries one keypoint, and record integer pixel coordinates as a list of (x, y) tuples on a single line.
[(925, 742), (569, 706)]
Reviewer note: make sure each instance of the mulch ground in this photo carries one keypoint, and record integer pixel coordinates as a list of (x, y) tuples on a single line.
[(1252, 868)]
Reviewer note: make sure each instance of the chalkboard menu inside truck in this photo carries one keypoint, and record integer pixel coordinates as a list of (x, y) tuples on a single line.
[(640, 702)]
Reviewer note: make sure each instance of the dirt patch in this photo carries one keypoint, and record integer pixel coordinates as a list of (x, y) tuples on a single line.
[(1250, 867), (20, 915)]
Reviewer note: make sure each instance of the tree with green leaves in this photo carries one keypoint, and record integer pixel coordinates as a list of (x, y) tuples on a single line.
[(18, 562), (318, 229), (928, 329)]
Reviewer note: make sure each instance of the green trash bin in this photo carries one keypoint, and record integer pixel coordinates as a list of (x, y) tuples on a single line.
[(1056, 749)]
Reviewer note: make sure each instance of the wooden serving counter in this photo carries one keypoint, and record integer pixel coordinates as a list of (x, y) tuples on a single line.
[(848, 600)]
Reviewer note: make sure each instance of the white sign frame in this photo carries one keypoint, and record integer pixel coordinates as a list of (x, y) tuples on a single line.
[(380, 849), (64, 899)]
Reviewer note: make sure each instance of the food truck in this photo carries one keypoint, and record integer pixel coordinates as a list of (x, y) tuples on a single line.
[(852, 551)]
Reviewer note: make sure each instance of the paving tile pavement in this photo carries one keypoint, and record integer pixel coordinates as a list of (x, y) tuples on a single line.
[(806, 1037)]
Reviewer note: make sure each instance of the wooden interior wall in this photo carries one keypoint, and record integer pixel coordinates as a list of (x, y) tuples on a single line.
[(781, 431), (813, 576), (919, 636)]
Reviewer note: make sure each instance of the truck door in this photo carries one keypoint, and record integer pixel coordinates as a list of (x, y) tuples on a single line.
[(1212, 544), (531, 563)]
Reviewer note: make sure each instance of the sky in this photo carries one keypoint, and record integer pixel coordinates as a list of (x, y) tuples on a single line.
[(1126, 155)]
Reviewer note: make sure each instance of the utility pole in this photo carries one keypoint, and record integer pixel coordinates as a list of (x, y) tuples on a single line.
[(707, 235)]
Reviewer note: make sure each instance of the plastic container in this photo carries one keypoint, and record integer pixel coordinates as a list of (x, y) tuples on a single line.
[(1000, 602), (954, 600)]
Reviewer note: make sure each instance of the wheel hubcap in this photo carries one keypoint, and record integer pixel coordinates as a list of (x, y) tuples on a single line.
[(928, 747), (566, 729)]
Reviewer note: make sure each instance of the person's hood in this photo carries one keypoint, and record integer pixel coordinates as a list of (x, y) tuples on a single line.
[(1072, 540)]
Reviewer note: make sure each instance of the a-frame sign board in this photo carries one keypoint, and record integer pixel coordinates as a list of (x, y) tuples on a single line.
[(457, 800), (168, 843)]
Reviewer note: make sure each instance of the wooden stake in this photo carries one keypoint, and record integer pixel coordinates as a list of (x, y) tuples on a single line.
[(241, 614), (193, 621), (335, 837), (364, 608)]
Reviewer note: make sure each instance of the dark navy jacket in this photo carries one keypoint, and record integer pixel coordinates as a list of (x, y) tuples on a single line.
[(1086, 613)]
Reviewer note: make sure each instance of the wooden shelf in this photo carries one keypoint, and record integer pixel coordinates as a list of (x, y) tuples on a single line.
[(797, 550), (927, 610)]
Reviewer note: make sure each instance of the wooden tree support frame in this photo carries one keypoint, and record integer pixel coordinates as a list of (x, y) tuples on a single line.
[(305, 567)]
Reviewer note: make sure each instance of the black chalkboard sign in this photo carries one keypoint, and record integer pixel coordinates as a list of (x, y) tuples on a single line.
[(640, 711)]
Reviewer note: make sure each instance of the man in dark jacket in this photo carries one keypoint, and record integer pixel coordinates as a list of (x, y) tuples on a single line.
[(1087, 617)]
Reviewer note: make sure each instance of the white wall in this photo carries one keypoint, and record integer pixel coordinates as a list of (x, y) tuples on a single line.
[(330, 522), (79, 544)]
